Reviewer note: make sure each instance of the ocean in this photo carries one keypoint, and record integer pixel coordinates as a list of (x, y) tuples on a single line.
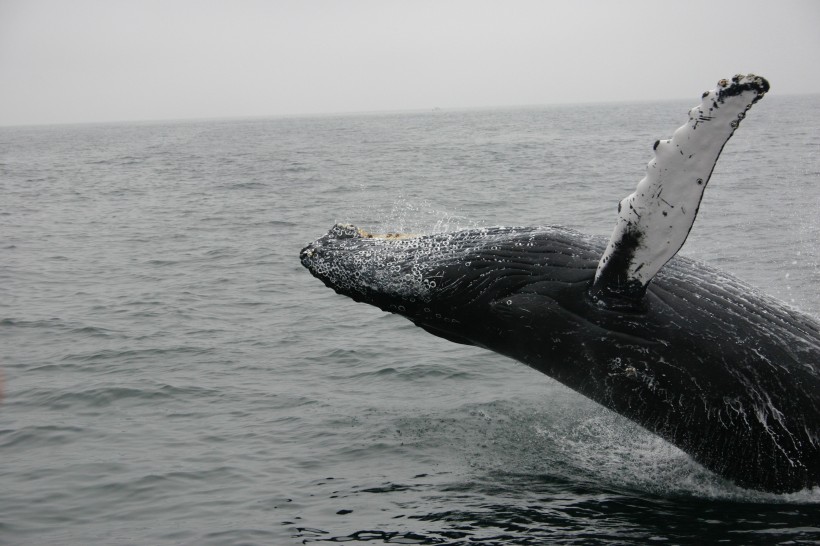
[(173, 375)]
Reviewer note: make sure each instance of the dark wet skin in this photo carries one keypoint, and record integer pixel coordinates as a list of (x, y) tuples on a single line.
[(728, 375)]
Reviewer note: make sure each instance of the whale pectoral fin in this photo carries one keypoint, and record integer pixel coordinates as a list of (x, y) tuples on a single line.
[(654, 221)]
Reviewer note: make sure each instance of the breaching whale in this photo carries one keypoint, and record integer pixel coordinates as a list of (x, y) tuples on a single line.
[(727, 374)]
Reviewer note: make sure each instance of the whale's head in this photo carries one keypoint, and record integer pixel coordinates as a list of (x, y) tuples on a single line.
[(443, 282), (395, 272)]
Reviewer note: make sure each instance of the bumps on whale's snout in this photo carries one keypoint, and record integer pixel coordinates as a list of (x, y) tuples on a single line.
[(339, 232), (346, 231)]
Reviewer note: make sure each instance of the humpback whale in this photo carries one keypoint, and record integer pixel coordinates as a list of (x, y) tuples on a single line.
[(698, 357)]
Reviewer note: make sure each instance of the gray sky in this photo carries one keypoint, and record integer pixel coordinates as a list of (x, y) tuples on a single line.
[(106, 60)]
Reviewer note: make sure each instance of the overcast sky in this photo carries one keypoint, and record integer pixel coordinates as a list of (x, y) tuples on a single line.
[(108, 60)]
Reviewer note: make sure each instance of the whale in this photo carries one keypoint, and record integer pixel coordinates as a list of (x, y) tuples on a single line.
[(698, 357)]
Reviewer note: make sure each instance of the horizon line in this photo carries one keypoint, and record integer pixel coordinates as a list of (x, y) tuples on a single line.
[(341, 113)]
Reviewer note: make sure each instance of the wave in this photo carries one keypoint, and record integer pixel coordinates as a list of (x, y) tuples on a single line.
[(133, 355), (61, 325)]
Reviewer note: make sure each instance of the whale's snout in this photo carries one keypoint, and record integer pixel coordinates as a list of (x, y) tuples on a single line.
[(396, 272), (377, 269), (319, 255)]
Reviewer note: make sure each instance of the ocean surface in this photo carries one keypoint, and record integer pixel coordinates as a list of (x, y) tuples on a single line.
[(173, 375)]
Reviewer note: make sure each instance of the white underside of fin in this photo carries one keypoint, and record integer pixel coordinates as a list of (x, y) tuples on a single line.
[(654, 221)]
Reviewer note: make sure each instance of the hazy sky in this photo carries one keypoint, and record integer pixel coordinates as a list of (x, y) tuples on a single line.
[(106, 60)]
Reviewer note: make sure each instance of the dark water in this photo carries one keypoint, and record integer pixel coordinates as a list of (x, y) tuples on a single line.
[(173, 375)]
